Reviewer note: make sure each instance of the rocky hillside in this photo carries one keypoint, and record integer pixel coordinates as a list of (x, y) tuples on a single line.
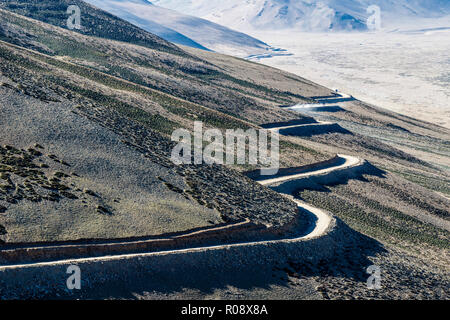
[(86, 119), (81, 107)]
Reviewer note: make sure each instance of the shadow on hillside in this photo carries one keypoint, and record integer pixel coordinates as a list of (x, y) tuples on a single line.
[(313, 129), (331, 109), (305, 120), (320, 182), (361, 173), (350, 260)]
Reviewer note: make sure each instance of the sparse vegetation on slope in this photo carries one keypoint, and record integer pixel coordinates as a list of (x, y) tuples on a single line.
[(86, 120)]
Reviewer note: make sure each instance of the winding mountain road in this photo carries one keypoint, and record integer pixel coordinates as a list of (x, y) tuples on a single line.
[(323, 219), (322, 222), (116, 249)]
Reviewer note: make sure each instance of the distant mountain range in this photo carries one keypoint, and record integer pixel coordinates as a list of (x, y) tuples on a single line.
[(305, 15), (184, 29)]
